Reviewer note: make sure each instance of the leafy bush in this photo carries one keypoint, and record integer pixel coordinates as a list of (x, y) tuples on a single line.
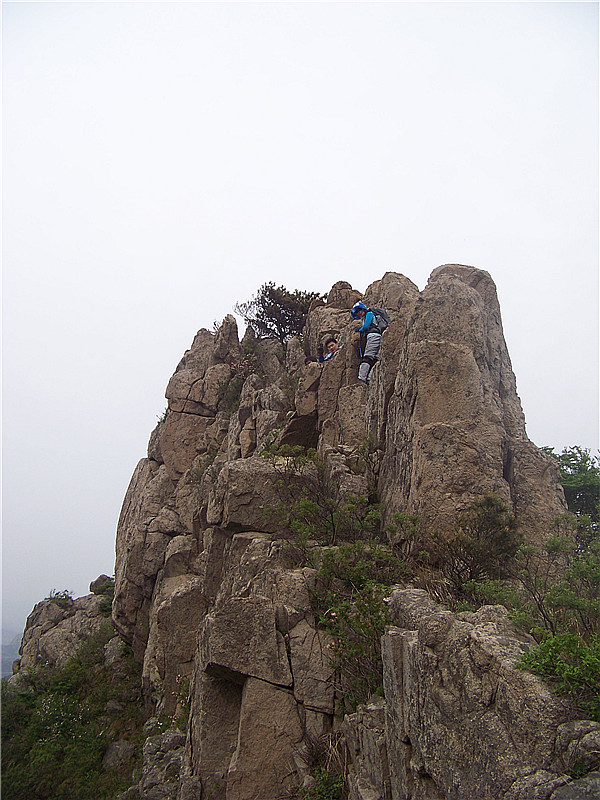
[(327, 786), (352, 582), (337, 535), (104, 585), (479, 547), (580, 479), (358, 563), (232, 390), (572, 663), (481, 544), (310, 508), (357, 623), (553, 590)]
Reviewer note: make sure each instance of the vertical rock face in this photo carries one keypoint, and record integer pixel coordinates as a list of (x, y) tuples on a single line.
[(205, 588), (455, 427)]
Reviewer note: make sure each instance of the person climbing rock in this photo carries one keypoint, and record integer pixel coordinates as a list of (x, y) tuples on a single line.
[(332, 346), (374, 321)]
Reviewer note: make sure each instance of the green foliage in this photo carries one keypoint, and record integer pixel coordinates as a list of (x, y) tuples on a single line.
[(572, 663), (358, 563), (276, 312), (327, 786), (326, 757), (357, 623), (354, 570), (106, 590), (63, 599), (404, 531), (480, 545), (54, 734), (310, 508), (559, 585), (105, 587), (552, 591), (580, 478)]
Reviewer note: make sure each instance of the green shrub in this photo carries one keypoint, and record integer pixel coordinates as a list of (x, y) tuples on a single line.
[(104, 586), (358, 563), (276, 312), (327, 786), (357, 623), (230, 399), (310, 508), (480, 545), (580, 479), (354, 570), (572, 664)]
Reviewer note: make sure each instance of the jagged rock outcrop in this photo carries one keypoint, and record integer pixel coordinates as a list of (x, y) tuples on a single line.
[(459, 720), (207, 592), (57, 628), (451, 689)]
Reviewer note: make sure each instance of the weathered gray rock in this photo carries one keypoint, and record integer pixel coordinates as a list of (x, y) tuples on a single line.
[(240, 639), (263, 763), (213, 732), (452, 691), (247, 495), (311, 667), (118, 754), (365, 737), (139, 552), (177, 612), (455, 428), (587, 788), (114, 650), (53, 635), (161, 768)]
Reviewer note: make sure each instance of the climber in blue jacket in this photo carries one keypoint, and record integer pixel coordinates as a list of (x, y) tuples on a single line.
[(370, 340)]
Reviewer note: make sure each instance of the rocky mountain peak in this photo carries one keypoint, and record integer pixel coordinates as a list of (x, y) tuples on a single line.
[(210, 590)]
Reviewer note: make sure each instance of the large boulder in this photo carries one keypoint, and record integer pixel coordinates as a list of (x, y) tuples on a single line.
[(240, 639)]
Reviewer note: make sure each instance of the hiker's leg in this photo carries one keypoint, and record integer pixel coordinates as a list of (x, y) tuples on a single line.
[(369, 356)]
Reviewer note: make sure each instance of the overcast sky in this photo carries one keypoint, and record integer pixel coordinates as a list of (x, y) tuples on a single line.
[(163, 160)]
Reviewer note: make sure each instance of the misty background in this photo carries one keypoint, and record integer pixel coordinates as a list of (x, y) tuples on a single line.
[(162, 161)]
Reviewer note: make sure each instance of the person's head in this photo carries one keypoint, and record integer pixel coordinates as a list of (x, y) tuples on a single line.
[(359, 310), (331, 345)]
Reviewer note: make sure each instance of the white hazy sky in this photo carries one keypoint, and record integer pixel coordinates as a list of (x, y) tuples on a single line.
[(163, 160)]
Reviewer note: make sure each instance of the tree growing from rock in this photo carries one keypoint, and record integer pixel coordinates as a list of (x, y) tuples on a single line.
[(276, 312)]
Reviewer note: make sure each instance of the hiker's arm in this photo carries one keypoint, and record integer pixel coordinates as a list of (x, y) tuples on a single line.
[(369, 317)]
